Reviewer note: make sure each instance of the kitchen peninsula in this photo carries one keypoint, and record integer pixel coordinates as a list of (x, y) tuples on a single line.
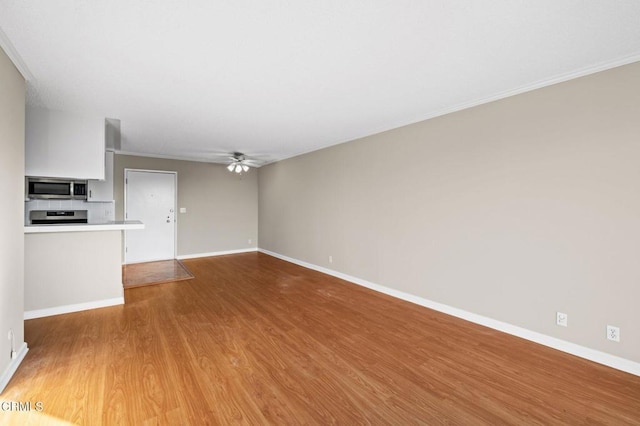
[(73, 267)]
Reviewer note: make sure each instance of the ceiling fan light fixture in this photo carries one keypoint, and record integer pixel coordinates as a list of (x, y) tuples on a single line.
[(240, 163)]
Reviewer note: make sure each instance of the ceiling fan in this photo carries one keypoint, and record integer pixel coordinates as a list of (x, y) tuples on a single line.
[(241, 163)]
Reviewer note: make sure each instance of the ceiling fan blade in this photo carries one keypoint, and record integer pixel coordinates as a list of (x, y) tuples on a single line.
[(233, 157), (215, 154), (218, 161)]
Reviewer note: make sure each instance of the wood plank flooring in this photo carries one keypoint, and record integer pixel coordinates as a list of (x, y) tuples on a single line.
[(255, 340), (150, 273)]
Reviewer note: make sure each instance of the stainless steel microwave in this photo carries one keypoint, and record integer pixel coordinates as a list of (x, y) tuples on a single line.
[(56, 189)]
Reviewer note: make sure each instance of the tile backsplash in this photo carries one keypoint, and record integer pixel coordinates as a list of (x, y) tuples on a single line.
[(101, 212)]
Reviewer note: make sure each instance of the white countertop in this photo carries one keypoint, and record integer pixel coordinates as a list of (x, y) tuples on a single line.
[(119, 225)]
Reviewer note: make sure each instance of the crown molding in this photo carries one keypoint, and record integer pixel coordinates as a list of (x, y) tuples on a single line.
[(561, 78), (15, 57), (582, 72), (166, 157), (180, 158)]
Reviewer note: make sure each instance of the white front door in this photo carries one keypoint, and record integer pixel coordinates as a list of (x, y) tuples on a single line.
[(150, 197)]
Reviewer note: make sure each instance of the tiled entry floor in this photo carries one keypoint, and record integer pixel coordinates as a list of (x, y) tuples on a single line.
[(148, 273)]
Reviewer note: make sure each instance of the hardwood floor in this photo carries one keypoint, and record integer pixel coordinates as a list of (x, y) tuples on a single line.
[(255, 340)]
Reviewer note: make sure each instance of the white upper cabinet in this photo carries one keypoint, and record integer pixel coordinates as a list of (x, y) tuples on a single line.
[(102, 190), (61, 144)]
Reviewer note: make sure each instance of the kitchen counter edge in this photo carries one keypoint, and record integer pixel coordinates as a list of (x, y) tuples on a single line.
[(125, 225)]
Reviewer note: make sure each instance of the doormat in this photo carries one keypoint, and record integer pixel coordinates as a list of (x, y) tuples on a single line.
[(149, 273)]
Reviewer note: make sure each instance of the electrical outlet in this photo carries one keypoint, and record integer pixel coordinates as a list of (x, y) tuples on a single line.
[(10, 336), (613, 333), (562, 319), (249, 241), (330, 259)]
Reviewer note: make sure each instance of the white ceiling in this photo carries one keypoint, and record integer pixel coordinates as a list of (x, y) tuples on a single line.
[(279, 78)]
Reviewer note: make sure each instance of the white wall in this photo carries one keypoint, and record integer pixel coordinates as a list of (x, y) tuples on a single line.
[(12, 111), (512, 210)]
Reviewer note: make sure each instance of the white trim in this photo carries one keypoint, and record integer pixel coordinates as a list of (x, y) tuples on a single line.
[(148, 171), (224, 163), (65, 309), (15, 57), (603, 66), (148, 261), (13, 366), (215, 253), (164, 156), (552, 342), (111, 226)]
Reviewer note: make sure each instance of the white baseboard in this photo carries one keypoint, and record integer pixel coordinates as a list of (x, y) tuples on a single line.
[(65, 309), (215, 253), (552, 342), (13, 366)]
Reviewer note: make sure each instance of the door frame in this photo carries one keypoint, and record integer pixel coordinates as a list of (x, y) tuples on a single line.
[(175, 208)]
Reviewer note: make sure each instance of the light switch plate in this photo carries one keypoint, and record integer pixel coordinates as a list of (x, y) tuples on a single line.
[(562, 319)]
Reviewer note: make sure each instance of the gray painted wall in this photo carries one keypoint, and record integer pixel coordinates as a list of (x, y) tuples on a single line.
[(93, 275), (512, 210), (222, 207), (12, 108)]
